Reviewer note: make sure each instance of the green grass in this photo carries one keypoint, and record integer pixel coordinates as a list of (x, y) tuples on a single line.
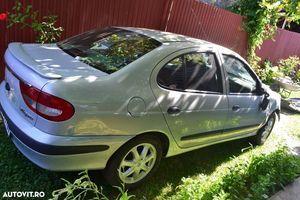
[(291, 124), (19, 174), (290, 120)]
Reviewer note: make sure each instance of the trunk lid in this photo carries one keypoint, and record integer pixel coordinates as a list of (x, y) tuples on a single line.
[(37, 65), (50, 62)]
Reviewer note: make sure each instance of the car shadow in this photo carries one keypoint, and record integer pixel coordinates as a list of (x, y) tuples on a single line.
[(173, 169), (168, 175), (289, 112)]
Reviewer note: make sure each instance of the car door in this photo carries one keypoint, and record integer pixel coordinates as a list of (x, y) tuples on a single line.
[(245, 115), (189, 89)]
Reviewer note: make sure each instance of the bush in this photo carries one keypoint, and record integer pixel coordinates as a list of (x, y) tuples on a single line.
[(254, 175), (43, 26), (285, 67), (269, 72), (290, 67)]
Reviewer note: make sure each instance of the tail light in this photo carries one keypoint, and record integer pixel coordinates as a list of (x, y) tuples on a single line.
[(46, 105)]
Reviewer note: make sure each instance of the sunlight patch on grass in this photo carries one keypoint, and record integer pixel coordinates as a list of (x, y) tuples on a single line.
[(295, 94), (289, 123)]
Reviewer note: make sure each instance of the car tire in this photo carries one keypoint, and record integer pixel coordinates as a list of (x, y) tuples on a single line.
[(139, 165), (265, 131)]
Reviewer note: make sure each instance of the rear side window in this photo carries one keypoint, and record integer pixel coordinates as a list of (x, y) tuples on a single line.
[(239, 78), (108, 49), (192, 72), (172, 75)]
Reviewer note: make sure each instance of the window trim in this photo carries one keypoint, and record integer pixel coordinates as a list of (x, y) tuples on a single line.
[(195, 91), (251, 72)]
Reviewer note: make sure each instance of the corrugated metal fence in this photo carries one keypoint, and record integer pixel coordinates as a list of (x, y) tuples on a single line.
[(285, 44), (188, 17), (76, 16)]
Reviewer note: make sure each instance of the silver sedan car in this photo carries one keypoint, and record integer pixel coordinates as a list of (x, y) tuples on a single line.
[(121, 99)]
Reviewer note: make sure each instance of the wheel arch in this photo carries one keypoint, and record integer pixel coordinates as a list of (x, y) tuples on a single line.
[(165, 141), (277, 111)]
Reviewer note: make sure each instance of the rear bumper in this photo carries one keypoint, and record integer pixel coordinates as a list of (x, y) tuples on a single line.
[(58, 153)]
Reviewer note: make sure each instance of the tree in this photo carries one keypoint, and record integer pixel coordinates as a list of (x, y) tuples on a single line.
[(291, 12), (261, 19)]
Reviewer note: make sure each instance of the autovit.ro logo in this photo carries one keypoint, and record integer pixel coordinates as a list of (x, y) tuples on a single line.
[(23, 194)]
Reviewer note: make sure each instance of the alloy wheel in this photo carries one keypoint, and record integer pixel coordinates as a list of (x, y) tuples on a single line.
[(137, 163)]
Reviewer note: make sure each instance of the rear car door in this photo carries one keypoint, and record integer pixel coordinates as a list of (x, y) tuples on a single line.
[(245, 115), (189, 89)]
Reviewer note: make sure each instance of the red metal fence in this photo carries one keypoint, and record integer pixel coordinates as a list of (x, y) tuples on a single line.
[(76, 16), (285, 44), (188, 17)]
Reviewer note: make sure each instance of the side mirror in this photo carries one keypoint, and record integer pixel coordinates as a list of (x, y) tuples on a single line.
[(266, 97), (265, 102), (260, 89)]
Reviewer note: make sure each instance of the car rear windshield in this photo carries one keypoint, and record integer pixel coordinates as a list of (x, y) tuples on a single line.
[(108, 49)]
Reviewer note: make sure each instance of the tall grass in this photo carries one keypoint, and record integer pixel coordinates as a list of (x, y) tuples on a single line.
[(254, 175), (84, 188)]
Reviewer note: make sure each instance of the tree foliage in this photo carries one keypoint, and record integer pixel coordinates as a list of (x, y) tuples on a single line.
[(261, 19), (292, 11), (25, 17)]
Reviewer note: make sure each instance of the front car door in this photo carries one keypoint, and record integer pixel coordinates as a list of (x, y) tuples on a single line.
[(245, 115), (189, 89)]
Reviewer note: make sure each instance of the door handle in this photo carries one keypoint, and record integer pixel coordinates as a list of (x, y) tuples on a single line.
[(7, 86), (173, 110), (235, 108)]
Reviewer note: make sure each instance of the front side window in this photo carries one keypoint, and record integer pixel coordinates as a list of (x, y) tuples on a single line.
[(240, 79), (202, 73), (108, 49), (192, 72)]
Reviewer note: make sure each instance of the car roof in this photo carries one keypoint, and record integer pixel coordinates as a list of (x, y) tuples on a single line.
[(167, 37), (163, 36)]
